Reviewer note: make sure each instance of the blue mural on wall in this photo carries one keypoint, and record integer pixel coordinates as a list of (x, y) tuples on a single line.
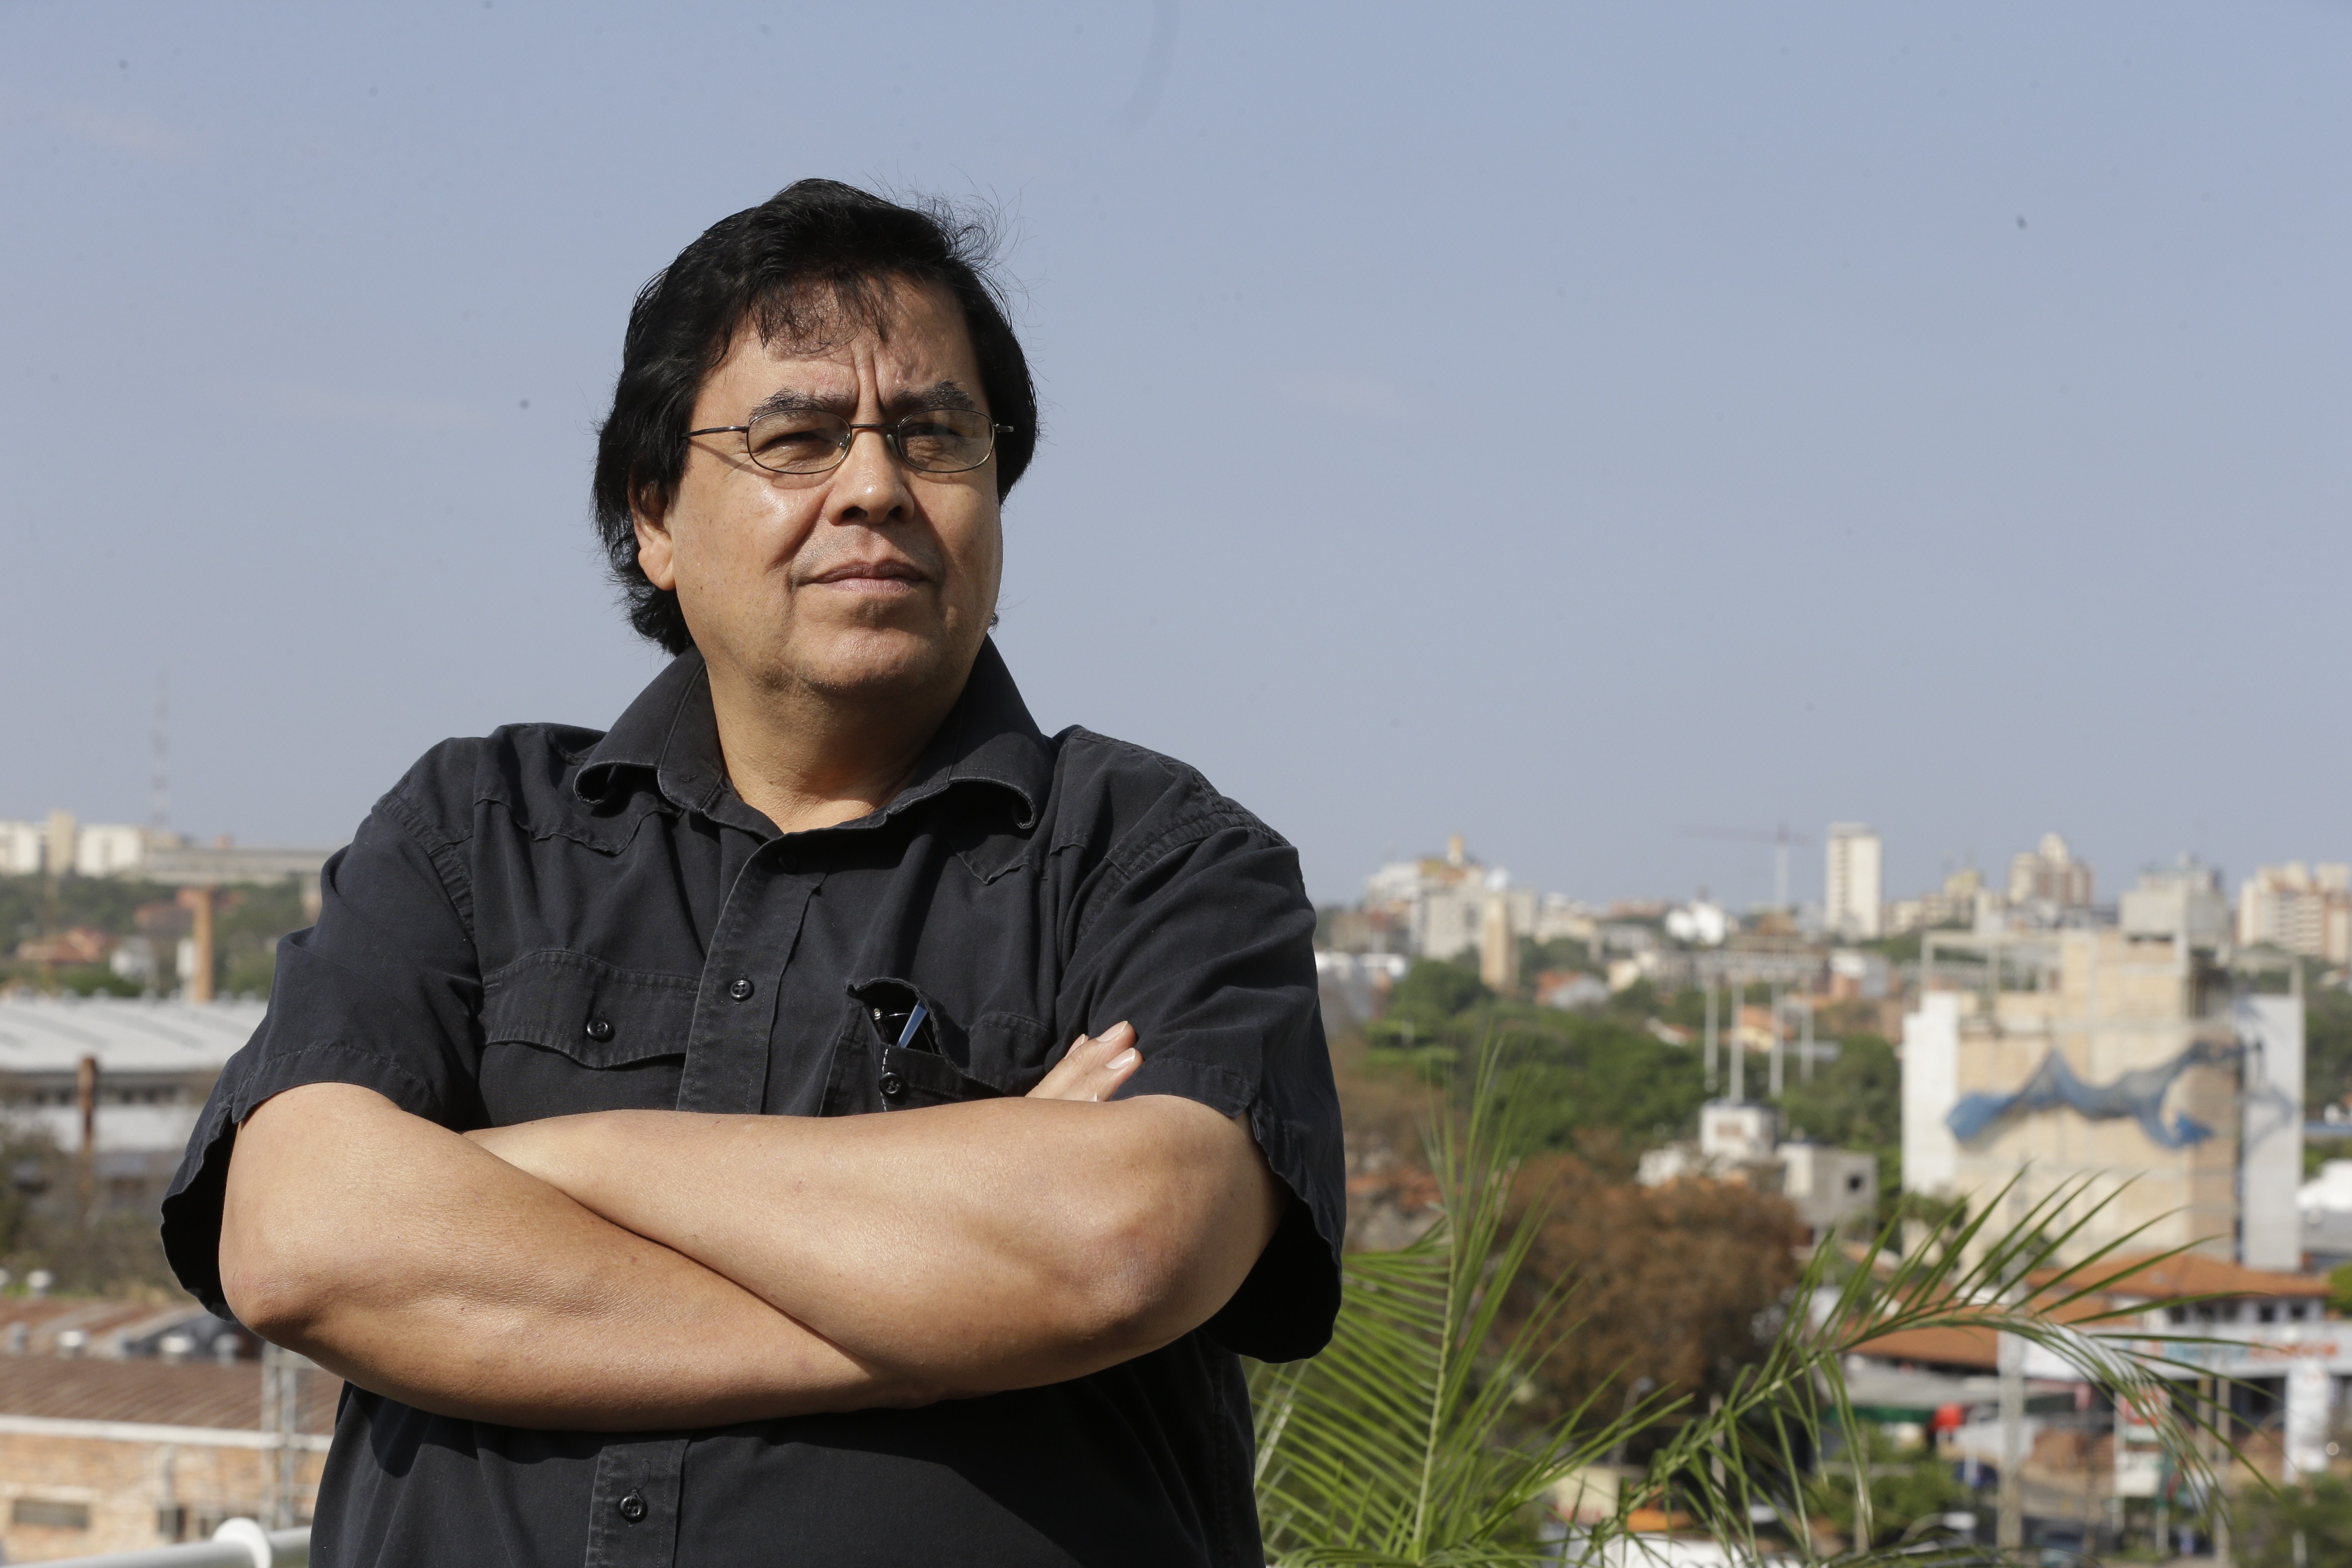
[(2138, 1094)]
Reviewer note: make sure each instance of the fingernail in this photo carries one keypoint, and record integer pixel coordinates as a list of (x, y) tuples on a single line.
[(1116, 1030), (1124, 1060)]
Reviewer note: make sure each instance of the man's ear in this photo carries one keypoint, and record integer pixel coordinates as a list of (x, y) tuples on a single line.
[(654, 554)]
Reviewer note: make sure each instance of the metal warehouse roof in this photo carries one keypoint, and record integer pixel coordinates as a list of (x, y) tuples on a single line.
[(127, 1035)]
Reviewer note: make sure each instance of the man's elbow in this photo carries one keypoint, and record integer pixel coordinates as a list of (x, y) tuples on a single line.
[(285, 1266), (273, 1289), (1128, 1289), (295, 1240), (1156, 1264)]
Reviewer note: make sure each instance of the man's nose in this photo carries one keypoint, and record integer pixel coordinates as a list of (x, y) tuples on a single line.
[(870, 485)]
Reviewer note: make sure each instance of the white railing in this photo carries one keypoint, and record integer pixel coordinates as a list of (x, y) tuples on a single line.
[(239, 1543)]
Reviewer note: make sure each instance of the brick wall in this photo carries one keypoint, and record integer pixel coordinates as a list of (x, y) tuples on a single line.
[(131, 1493)]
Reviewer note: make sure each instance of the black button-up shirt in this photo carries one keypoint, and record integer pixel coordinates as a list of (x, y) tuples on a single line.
[(547, 921)]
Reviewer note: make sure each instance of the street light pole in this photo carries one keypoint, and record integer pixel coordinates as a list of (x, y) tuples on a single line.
[(2011, 1536), (1710, 1035)]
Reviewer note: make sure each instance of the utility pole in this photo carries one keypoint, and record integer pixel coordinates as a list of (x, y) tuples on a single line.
[(2010, 1351), (2011, 1536), (281, 1419), (1710, 1035), (1778, 1070), (159, 799), (273, 1435), (1805, 1059), (86, 1098), (2217, 1446), (1738, 1052)]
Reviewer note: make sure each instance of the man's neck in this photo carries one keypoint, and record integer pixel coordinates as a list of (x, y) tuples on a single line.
[(807, 759)]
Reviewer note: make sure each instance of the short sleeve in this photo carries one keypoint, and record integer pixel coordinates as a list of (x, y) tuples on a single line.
[(383, 992), (1207, 948)]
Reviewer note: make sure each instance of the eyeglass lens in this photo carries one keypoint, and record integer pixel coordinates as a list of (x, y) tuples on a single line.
[(936, 441)]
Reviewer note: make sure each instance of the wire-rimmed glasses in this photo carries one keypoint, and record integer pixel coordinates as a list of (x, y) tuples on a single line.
[(811, 441)]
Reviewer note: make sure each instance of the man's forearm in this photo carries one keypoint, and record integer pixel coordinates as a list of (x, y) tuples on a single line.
[(987, 1246), (409, 1261)]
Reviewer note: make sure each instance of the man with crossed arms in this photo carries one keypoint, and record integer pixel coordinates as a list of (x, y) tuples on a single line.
[(675, 1136)]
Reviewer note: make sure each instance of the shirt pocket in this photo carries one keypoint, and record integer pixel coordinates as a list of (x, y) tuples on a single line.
[(1013, 1050), (917, 1055), (565, 1033)]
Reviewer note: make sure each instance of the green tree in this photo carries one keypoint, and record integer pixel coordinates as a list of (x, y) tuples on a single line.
[(2339, 1289), (1601, 1088), (37, 906), (1905, 1487), (1855, 1102), (42, 1225), (1599, 1085), (1561, 952), (1435, 992), (247, 927), (2326, 1047), (248, 920), (2319, 1510)]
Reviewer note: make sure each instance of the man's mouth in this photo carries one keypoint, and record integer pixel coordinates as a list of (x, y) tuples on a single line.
[(872, 573)]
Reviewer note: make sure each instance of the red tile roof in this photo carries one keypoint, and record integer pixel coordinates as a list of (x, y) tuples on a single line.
[(2127, 1279), (153, 1393), (2194, 1274)]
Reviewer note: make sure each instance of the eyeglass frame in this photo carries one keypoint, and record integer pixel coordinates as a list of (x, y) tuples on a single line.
[(890, 434)]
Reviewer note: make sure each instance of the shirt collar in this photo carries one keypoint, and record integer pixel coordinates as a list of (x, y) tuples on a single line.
[(671, 732)]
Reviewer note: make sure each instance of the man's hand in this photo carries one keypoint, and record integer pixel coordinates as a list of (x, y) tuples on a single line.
[(985, 1246), (1093, 1068)]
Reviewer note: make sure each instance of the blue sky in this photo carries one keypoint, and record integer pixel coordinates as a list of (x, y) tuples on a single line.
[(1561, 424)]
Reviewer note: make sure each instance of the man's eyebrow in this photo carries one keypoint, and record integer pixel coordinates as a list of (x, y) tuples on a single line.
[(792, 400), (948, 393), (939, 394)]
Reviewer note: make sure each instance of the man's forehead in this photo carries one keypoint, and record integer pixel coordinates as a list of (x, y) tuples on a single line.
[(916, 342), (891, 318), (900, 355)]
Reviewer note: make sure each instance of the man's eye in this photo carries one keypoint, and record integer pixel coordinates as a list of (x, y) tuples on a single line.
[(926, 430), (796, 441), (949, 439), (779, 435)]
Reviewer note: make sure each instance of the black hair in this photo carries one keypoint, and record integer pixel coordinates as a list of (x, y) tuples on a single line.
[(815, 252)]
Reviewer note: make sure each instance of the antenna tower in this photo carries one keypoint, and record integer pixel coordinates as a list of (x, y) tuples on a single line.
[(159, 795)]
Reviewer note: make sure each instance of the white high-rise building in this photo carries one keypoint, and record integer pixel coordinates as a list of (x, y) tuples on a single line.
[(2302, 909), (108, 850), (20, 847), (2049, 875), (1851, 902)]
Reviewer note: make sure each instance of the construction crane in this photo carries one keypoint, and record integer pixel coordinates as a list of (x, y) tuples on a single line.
[(1778, 838)]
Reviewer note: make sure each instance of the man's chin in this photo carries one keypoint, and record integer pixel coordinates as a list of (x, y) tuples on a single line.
[(882, 667)]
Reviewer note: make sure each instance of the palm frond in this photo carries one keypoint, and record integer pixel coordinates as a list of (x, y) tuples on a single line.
[(1397, 1447)]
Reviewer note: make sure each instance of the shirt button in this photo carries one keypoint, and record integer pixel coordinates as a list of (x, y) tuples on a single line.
[(633, 1507), (741, 990), (893, 1086), (601, 1030)]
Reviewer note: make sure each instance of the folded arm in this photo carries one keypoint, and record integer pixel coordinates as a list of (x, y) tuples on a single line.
[(976, 1247), (415, 1263), (398, 1255)]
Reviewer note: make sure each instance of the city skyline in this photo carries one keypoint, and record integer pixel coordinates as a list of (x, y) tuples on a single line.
[(1808, 884)]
